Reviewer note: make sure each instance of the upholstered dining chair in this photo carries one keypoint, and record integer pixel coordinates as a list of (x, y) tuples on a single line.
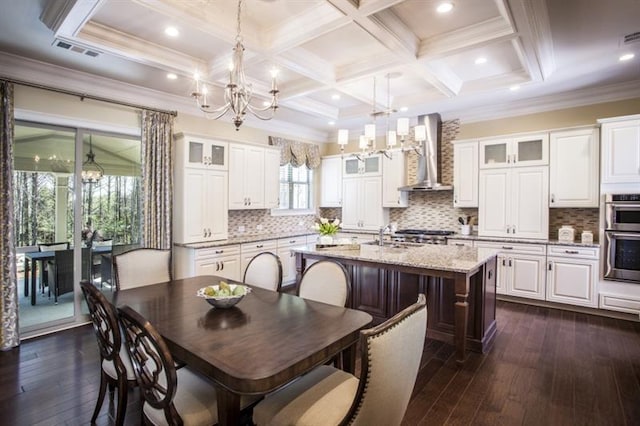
[(264, 270), (326, 281), (140, 267), (330, 396), (116, 369), (171, 397)]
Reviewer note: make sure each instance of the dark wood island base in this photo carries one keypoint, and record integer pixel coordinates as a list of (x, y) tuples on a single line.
[(459, 303)]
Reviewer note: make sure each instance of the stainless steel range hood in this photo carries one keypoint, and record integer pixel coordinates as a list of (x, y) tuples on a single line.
[(429, 173)]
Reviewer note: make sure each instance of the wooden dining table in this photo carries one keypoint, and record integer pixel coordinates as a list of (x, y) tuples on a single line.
[(264, 342)]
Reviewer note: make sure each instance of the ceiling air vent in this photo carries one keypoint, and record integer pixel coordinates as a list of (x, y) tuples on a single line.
[(632, 38), (75, 48)]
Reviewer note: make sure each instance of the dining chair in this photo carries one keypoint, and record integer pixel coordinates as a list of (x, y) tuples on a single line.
[(265, 271), (326, 281), (171, 397), (390, 359), (115, 366), (142, 266)]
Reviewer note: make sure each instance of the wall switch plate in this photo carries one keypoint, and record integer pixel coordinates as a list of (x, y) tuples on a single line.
[(241, 228)]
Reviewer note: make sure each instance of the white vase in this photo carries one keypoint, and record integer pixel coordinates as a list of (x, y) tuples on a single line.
[(325, 239)]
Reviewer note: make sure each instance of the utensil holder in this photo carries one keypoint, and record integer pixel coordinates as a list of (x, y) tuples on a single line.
[(465, 229)]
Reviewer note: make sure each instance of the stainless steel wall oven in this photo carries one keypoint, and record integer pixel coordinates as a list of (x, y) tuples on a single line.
[(622, 237)]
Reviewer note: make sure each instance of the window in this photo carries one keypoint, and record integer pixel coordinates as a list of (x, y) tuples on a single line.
[(295, 188)]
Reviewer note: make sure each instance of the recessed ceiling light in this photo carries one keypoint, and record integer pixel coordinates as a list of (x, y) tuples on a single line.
[(481, 60), (445, 7), (266, 103), (171, 76), (332, 123), (627, 57), (172, 31), (335, 96), (514, 87), (404, 109)]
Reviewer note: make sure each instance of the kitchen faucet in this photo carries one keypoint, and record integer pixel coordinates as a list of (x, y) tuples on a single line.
[(383, 230)]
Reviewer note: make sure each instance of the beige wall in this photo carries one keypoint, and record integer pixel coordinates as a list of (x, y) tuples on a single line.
[(570, 117)]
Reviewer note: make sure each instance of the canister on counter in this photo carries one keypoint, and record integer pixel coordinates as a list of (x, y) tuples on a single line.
[(566, 234), (587, 237)]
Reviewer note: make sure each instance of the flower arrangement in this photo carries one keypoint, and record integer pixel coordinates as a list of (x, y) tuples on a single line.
[(327, 227)]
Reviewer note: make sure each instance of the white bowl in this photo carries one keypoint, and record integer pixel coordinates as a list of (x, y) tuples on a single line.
[(223, 301)]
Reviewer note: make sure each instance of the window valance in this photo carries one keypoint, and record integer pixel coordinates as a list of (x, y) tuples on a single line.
[(296, 153)]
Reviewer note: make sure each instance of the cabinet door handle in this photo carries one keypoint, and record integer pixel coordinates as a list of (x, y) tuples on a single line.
[(508, 230), (219, 251), (553, 198), (550, 266), (222, 266), (204, 232), (507, 247), (510, 264), (460, 244), (217, 266), (292, 241), (249, 201), (504, 262), (515, 158), (259, 246), (572, 251), (513, 229)]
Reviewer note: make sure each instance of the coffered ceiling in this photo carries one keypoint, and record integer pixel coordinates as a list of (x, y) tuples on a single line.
[(329, 51)]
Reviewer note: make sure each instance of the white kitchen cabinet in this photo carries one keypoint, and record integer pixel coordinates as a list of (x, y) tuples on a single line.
[(331, 182), (288, 258), (574, 168), (621, 150), (369, 166), (393, 177), (515, 151), (222, 261), (362, 203), (197, 152), (572, 275), (521, 269), (465, 174), (249, 250), (246, 177), (271, 178), (514, 202), (200, 205)]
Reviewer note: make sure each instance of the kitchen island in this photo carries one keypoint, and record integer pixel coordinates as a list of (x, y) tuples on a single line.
[(459, 282)]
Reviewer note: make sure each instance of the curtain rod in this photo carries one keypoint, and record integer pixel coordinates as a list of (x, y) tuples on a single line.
[(84, 96)]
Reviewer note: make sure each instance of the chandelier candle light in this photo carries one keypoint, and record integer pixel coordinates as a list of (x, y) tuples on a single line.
[(237, 92), (367, 141), (92, 172)]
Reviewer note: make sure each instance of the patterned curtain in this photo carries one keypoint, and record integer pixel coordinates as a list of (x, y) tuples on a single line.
[(9, 336), (297, 153), (157, 179)]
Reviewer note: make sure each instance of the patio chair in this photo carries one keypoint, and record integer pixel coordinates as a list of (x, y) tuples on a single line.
[(331, 396), (61, 269), (64, 245)]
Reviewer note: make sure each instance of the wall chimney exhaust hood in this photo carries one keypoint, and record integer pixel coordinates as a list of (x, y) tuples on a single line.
[(429, 173)]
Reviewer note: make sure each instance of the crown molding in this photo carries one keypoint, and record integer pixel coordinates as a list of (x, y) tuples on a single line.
[(28, 70), (570, 99)]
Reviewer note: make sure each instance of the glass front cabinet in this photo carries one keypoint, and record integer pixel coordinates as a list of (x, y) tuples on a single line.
[(527, 150), (203, 153)]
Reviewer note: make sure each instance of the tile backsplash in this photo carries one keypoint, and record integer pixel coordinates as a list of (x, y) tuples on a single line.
[(581, 220), (252, 219)]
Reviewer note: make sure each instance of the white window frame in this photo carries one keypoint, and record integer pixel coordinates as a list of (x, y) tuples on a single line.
[(298, 212)]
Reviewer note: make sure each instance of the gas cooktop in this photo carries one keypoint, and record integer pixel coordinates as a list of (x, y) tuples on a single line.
[(414, 232)]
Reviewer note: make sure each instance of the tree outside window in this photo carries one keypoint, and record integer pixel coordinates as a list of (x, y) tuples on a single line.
[(295, 188)]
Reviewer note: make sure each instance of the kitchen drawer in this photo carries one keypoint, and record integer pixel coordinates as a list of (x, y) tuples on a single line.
[(259, 246), (508, 247), (218, 251), (616, 302), (459, 243), (573, 251), (292, 241)]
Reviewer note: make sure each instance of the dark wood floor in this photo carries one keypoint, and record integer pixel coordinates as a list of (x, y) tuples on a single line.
[(547, 367)]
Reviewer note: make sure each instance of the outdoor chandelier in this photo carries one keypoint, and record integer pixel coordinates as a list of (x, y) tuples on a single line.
[(92, 172), (367, 141), (237, 93)]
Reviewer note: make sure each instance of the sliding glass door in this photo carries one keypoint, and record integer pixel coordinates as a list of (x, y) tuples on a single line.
[(77, 196)]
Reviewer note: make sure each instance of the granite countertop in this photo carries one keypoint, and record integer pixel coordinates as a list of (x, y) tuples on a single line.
[(442, 258), (252, 238), (475, 237)]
